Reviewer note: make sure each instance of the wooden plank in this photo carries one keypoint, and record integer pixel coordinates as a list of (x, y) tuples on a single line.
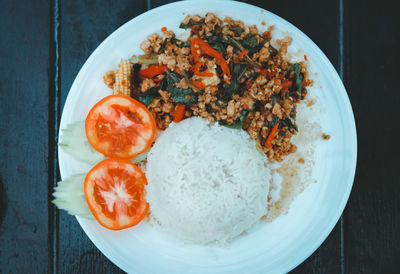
[(372, 219), (24, 143), (319, 20), (157, 3), (84, 25)]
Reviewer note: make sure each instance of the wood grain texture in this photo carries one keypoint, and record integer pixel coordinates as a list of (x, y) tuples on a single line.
[(319, 20), (84, 25), (24, 60), (157, 3), (372, 217)]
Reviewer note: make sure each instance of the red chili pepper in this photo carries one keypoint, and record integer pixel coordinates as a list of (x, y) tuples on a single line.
[(177, 70), (208, 50), (196, 71), (194, 50), (249, 84), (305, 57), (271, 74), (179, 113), (287, 84), (268, 74), (263, 72), (215, 86), (196, 67), (152, 71), (243, 53), (198, 84), (224, 66), (204, 73), (271, 136), (163, 29)]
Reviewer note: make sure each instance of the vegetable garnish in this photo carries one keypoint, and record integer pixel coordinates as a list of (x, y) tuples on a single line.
[(74, 142), (179, 113), (115, 193), (69, 196), (286, 85), (119, 126), (243, 53), (179, 95), (221, 69), (202, 73), (239, 124), (148, 59), (152, 71), (271, 136), (296, 68), (204, 48), (198, 84), (191, 24)]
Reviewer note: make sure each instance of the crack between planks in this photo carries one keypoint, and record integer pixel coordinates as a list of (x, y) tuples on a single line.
[(53, 123), (341, 74)]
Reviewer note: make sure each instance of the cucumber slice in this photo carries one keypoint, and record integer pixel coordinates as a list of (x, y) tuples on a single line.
[(69, 196), (74, 142)]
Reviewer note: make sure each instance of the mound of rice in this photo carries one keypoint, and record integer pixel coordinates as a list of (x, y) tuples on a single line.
[(206, 182)]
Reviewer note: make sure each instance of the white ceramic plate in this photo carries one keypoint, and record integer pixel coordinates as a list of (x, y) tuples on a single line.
[(269, 248)]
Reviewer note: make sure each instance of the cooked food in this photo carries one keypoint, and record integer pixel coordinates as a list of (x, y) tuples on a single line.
[(119, 126), (233, 99), (115, 193), (207, 183), (225, 72)]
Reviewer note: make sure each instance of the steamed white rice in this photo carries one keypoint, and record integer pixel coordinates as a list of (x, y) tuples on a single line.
[(206, 183)]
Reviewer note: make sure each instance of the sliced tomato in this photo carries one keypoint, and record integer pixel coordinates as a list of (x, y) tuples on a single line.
[(119, 126), (115, 192)]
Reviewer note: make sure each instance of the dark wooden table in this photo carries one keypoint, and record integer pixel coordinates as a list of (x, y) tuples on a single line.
[(45, 43)]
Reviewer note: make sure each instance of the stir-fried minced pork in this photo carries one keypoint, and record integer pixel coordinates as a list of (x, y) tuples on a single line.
[(225, 72)]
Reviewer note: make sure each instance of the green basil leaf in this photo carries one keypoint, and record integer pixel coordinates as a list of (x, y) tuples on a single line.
[(216, 42), (298, 76), (282, 133), (191, 24), (274, 121), (237, 70), (288, 123), (239, 124), (219, 47), (274, 100), (147, 97), (237, 30), (179, 43), (250, 43), (179, 95)]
